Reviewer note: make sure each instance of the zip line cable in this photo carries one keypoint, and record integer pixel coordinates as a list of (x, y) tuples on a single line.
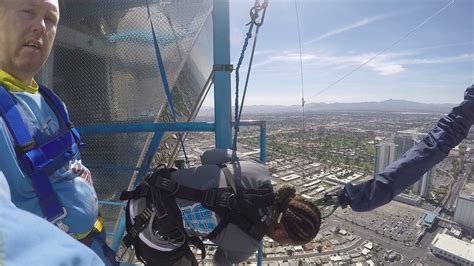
[(302, 79), (326, 201), (386, 49), (253, 22)]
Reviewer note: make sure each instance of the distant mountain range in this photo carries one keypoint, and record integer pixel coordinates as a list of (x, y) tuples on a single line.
[(384, 106)]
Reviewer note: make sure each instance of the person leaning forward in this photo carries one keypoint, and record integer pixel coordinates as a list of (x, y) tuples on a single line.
[(229, 200), (38, 144), (196, 209)]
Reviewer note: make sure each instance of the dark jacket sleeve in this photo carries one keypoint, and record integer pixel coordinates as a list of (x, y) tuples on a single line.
[(399, 175)]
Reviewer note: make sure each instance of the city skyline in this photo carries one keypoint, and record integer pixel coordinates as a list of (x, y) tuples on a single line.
[(425, 48)]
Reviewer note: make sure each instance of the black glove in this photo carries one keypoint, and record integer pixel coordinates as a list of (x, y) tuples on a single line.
[(337, 198)]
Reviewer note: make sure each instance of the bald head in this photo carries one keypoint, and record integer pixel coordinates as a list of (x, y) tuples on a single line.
[(27, 32)]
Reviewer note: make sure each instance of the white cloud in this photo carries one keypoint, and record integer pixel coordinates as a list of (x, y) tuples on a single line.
[(382, 65), (443, 46), (439, 60), (358, 24), (292, 58), (386, 69), (385, 64), (264, 52)]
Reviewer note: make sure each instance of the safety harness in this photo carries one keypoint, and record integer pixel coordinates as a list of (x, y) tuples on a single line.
[(233, 204), (40, 160)]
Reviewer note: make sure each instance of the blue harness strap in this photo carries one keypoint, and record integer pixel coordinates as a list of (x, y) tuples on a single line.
[(39, 161), (161, 65), (58, 108)]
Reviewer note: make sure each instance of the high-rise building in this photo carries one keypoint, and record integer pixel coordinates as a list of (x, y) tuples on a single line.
[(464, 214), (404, 143), (422, 187), (384, 155)]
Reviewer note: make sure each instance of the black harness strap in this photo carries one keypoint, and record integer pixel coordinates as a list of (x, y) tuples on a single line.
[(238, 206), (139, 192), (197, 242), (216, 198), (234, 205), (223, 223), (167, 222), (140, 221), (246, 214)]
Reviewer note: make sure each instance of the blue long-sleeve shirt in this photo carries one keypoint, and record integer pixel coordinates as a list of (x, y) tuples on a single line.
[(399, 175), (26, 239)]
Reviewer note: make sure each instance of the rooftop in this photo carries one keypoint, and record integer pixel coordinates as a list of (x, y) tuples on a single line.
[(290, 177), (468, 190), (429, 217), (410, 132), (454, 246)]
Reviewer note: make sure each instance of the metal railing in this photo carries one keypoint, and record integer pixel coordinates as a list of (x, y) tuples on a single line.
[(160, 129)]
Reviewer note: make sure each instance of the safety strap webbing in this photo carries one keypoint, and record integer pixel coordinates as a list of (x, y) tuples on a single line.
[(60, 110), (33, 160), (243, 212), (161, 65)]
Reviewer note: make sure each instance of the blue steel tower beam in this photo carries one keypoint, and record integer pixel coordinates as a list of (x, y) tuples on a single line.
[(222, 90)]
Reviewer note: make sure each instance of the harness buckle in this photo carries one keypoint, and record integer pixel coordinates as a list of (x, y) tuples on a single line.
[(69, 124), (22, 149), (225, 200), (175, 236), (215, 198), (143, 191), (58, 221), (168, 185), (209, 199)]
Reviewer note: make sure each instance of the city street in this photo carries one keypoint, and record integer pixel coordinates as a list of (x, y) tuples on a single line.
[(416, 254), (458, 186)]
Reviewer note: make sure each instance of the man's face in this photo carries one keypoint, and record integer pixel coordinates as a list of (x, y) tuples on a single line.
[(27, 32)]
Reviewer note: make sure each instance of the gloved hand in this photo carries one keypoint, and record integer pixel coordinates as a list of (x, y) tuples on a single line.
[(336, 198)]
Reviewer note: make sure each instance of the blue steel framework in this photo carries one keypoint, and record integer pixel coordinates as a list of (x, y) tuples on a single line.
[(222, 90), (222, 125), (159, 129)]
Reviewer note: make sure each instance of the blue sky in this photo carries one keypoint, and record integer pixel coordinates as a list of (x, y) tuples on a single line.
[(432, 65)]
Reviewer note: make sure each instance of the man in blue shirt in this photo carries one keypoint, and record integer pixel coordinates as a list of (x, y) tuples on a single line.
[(26, 239), (39, 146)]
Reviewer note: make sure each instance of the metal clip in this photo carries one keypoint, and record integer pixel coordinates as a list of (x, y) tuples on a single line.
[(223, 67), (168, 185), (209, 198), (59, 222)]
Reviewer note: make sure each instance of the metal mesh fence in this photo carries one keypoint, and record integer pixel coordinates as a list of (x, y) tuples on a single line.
[(104, 67)]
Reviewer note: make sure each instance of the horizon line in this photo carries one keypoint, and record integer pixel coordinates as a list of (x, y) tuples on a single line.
[(208, 106)]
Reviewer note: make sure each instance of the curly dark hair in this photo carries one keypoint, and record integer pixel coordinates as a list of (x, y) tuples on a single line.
[(300, 217)]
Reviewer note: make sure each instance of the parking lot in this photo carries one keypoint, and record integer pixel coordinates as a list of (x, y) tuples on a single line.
[(395, 220)]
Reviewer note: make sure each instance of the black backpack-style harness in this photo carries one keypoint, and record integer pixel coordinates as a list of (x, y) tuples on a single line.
[(233, 204)]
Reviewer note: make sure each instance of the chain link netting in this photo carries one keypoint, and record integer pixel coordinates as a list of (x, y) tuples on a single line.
[(104, 67)]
